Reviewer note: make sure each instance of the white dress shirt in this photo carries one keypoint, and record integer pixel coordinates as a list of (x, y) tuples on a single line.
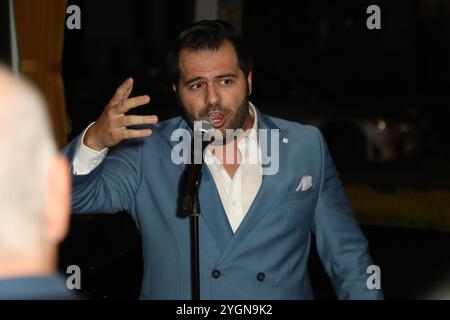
[(237, 193), (86, 159)]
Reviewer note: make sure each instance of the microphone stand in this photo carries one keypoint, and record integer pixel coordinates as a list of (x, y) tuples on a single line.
[(195, 245), (190, 207)]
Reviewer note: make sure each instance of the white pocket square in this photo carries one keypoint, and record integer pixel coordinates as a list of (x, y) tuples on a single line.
[(305, 183)]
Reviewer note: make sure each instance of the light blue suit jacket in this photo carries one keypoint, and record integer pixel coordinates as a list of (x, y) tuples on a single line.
[(138, 176), (51, 287)]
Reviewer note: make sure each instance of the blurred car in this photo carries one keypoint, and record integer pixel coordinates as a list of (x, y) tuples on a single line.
[(362, 134), (372, 137)]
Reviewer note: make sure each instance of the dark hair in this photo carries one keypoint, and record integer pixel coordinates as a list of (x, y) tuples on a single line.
[(207, 35)]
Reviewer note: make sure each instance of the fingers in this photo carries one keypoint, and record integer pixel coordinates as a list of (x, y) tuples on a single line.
[(123, 91), (131, 103), (137, 133), (119, 105), (129, 134), (127, 94), (132, 120)]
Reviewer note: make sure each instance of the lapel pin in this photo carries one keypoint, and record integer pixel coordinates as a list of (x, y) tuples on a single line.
[(285, 140)]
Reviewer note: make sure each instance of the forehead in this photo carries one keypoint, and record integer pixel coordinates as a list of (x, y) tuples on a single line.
[(206, 63)]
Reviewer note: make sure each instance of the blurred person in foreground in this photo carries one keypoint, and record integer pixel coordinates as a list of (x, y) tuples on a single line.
[(34, 196)]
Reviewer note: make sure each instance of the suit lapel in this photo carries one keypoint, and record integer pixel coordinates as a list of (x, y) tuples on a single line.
[(212, 211), (271, 188)]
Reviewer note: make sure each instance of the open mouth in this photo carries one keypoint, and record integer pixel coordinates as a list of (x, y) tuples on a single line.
[(217, 118)]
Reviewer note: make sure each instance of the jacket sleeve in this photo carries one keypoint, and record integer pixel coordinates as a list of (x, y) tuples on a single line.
[(341, 245), (112, 185)]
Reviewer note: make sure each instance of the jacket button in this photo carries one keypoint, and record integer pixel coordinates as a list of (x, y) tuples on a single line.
[(261, 276), (216, 274)]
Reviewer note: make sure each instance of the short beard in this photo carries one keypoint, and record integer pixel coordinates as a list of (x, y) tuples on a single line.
[(237, 122), (240, 117)]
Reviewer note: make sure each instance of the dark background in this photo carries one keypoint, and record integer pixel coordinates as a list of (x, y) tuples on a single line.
[(315, 62), (305, 52)]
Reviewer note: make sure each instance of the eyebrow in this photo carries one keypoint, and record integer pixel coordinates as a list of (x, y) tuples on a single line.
[(221, 76)]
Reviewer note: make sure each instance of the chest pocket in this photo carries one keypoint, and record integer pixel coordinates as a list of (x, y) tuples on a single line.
[(300, 195)]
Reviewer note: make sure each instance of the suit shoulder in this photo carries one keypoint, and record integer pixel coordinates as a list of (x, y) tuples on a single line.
[(160, 131), (169, 124), (166, 127), (297, 129)]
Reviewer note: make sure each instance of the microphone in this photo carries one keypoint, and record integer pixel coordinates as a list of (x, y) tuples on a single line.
[(201, 138)]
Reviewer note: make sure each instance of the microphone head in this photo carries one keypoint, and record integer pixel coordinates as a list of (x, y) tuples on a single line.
[(204, 128)]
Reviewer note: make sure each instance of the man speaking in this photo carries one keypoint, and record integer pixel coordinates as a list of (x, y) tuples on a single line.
[(257, 220)]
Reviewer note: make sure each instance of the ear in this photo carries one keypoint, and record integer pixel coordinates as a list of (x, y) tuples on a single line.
[(177, 96), (57, 201), (249, 83)]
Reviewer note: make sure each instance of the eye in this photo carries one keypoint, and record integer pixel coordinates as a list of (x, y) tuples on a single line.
[(226, 82), (196, 86)]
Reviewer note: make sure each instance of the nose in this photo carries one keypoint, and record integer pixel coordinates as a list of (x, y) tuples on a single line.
[(212, 96)]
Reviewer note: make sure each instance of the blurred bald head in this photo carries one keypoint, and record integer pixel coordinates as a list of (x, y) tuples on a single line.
[(34, 180)]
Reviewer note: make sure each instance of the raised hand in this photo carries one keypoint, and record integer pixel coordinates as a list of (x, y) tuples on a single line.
[(112, 125)]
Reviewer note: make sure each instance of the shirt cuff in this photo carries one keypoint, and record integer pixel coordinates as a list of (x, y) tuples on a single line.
[(87, 159)]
